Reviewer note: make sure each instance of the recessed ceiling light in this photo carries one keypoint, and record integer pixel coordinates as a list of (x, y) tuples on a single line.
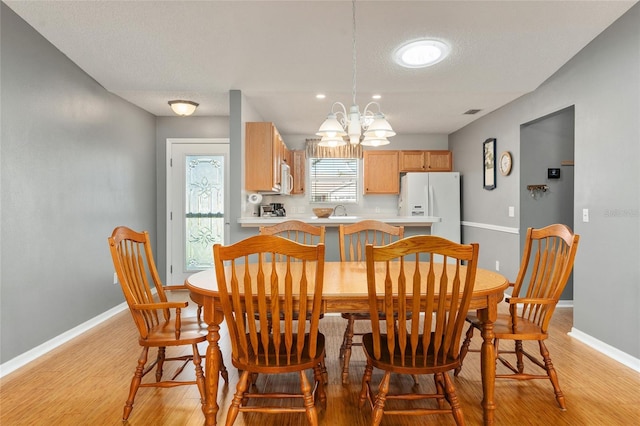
[(421, 53), (376, 97), (320, 96)]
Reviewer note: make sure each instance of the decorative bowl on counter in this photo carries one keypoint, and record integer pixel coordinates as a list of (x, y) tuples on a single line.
[(323, 212)]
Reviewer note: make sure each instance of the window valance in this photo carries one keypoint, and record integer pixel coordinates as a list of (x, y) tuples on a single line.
[(346, 151)]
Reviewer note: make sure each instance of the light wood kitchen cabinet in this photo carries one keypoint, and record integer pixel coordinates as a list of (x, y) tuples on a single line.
[(426, 161), (298, 170), (265, 151), (381, 174)]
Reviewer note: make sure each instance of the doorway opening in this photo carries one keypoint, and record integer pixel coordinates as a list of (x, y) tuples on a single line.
[(548, 143)]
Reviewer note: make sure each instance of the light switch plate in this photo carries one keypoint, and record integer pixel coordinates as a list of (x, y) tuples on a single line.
[(585, 215)]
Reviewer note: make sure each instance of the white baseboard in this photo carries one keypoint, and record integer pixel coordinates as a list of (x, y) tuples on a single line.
[(608, 350), (565, 304), (27, 357)]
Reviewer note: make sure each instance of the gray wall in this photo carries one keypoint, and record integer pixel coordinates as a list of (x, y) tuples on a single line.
[(241, 112), (75, 161), (603, 82)]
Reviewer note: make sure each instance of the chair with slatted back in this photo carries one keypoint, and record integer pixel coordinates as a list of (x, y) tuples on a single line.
[(160, 323), (296, 230), (264, 276), (303, 233), (546, 265), (423, 282), (352, 241)]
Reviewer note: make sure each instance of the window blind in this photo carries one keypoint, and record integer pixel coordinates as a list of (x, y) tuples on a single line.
[(333, 180)]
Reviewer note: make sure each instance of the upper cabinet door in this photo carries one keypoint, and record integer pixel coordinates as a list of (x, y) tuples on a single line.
[(298, 170), (381, 173), (439, 161), (265, 151), (426, 161), (413, 161)]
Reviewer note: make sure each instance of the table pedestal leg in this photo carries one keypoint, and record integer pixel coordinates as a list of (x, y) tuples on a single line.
[(488, 363), (213, 365)]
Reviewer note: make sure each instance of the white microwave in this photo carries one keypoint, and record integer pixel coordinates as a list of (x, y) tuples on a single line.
[(286, 182)]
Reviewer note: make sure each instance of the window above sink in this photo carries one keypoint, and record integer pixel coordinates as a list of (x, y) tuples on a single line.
[(333, 180)]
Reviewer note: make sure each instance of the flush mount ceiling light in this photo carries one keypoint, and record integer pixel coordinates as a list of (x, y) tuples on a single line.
[(339, 123), (421, 53), (183, 108)]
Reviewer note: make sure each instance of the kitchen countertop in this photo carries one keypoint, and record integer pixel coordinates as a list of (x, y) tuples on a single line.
[(337, 220)]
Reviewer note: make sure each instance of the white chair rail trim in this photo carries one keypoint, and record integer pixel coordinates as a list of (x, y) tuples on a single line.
[(490, 227)]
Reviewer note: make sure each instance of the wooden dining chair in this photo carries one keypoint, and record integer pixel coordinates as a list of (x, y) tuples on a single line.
[(303, 233), (160, 323), (264, 276), (546, 265), (430, 300), (352, 240), (296, 230)]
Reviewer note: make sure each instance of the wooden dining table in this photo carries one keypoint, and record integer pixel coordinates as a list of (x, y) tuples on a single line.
[(345, 290)]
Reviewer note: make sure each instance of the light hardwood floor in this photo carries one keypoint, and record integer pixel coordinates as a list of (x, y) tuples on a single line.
[(86, 381)]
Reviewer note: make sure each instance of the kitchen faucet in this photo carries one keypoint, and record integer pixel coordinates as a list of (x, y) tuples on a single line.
[(344, 210)]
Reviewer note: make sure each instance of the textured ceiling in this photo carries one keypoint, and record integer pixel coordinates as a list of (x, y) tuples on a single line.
[(281, 53)]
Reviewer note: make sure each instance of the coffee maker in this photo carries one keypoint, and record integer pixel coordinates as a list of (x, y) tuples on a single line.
[(272, 210), (278, 209)]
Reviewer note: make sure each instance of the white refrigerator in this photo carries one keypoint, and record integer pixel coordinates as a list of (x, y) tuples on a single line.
[(433, 194)]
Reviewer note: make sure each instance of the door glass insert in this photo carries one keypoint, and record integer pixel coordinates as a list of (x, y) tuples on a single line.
[(204, 209)]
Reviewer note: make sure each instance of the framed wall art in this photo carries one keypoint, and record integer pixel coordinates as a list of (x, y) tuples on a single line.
[(489, 164)]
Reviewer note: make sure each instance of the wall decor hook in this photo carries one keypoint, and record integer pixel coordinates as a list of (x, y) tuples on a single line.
[(536, 190)]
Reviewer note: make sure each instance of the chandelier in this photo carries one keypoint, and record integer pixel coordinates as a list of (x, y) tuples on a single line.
[(370, 128)]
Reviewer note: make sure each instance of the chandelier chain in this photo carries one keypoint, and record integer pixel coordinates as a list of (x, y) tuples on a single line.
[(367, 128), (353, 13)]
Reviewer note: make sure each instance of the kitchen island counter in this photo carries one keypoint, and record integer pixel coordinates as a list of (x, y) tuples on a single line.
[(338, 220)]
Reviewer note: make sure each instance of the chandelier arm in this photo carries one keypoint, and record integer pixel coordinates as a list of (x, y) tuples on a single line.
[(341, 113), (367, 110), (368, 116)]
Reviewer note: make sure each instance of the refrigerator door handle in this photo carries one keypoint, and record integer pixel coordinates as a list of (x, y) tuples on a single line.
[(430, 201)]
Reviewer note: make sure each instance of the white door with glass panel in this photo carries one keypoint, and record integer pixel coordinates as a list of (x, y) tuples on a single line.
[(198, 202)]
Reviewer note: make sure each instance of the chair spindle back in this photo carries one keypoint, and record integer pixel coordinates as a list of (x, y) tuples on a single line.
[(547, 262), (136, 270), (435, 324), (264, 277)]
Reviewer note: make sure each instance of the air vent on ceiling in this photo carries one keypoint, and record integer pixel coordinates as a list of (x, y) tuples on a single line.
[(472, 111)]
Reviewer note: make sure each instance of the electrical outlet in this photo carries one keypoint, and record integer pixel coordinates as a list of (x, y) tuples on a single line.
[(497, 265), (377, 209), (115, 278), (512, 211)]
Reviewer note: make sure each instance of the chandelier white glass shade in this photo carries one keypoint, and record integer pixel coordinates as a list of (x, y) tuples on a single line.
[(374, 141), (332, 141), (353, 124), (183, 108)]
